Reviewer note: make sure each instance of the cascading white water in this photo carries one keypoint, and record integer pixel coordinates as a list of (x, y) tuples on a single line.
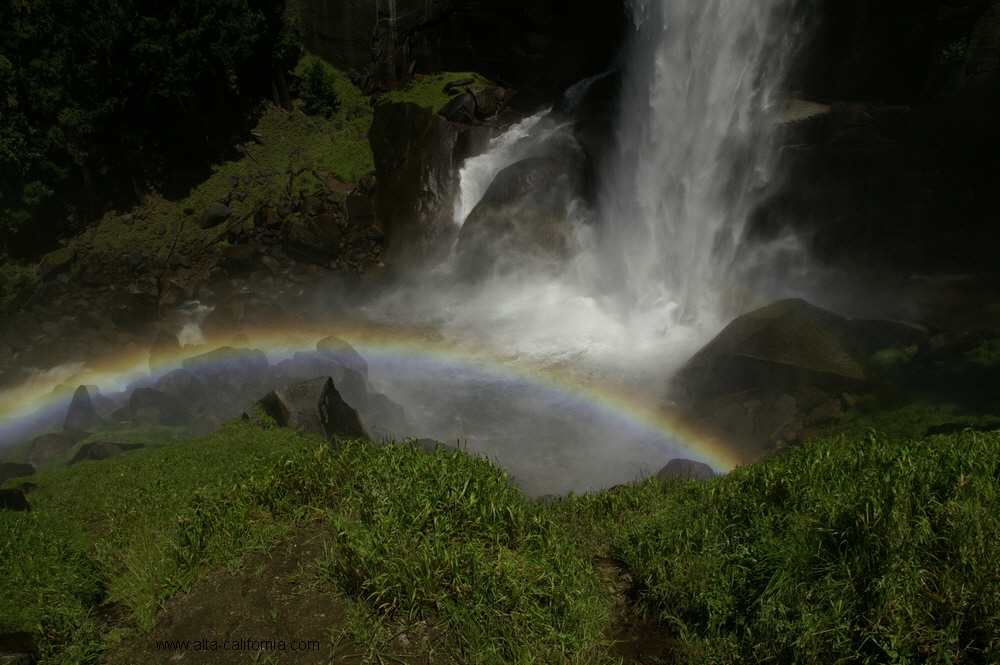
[(653, 262), (654, 276), (694, 146)]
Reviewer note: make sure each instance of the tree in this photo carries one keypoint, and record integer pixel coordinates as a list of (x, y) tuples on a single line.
[(316, 89), (97, 96)]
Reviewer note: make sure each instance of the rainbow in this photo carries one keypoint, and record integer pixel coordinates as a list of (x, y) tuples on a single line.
[(49, 392)]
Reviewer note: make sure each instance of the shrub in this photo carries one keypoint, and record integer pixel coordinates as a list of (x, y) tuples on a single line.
[(316, 89)]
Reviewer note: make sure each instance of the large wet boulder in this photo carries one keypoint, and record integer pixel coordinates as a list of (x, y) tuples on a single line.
[(81, 413), (417, 156), (149, 407), (213, 215), (776, 348), (102, 450), (49, 448), (313, 239), (315, 406), (685, 469), (13, 500), (188, 388), (245, 311), (56, 262), (521, 219), (165, 348), (10, 470), (227, 360), (308, 364), (343, 354), (382, 417)]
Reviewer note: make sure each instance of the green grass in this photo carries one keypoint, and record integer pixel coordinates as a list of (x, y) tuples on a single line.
[(859, 550), (430, 91), (846, 549), (151, 437), (337, 144)]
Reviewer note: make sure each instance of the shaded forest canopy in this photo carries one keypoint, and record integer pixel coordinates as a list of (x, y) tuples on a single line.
[(100, 97)]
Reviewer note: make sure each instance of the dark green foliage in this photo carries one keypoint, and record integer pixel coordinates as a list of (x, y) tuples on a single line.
[(99, 97), (316, 89)]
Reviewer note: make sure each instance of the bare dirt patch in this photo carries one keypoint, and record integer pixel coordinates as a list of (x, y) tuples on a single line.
[(260, 614)]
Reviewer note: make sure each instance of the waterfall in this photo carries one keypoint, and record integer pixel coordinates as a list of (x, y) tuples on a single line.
[(656, 251), (694, 146)]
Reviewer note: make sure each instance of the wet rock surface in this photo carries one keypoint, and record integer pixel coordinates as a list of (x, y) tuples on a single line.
[(315, 406), (520, 220), (685, 469)]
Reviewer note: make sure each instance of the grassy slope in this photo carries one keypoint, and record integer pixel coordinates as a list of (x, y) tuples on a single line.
[(338, 144), (859, 549)]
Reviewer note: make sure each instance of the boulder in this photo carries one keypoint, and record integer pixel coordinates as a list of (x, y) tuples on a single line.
[(100, 450), (824, 412), (343, 354), (182, 384), (521, 218), (56, 262), (13, 500), (308, 364), (489, 99), (685, 469), (354, 389), (150, 407), (416, 163), (10, 470), (49, 448), (21, 330), (776, 349), (213, 215), (313, 405), (227, 361), (240, 260), (243, 312), (360, 213), (461, 109), (81, 413), (166, 347), (135, 312), (313, 239)]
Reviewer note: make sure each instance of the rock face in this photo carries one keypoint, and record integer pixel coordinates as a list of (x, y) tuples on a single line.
[(686, 469), (417, 154), (540, 48), (243, 312), (779, 346), (907, 179), (520, 219), (81, 414), (313, 405)]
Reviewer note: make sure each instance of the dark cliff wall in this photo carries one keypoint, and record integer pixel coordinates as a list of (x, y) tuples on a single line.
[(539, 47), (906, 172)]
